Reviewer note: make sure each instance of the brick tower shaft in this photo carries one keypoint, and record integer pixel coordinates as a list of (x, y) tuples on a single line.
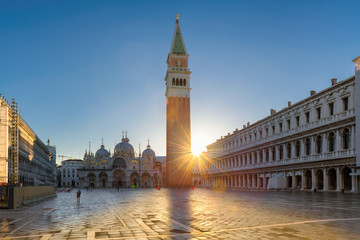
[(178, 125)]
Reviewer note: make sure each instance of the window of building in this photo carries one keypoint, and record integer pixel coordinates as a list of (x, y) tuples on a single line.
[(297, 119), (346, 103), (318, 144), (297, 149), (266, 132), (307, 146), (273, 152), (260, 134), (346, 139), (331, 142), (288, 149), (173, 81), (255, 136), (289, 124), (307, 116), (184, 82), (280, 127), (273, 130), (331, 109), (249, 138), (260, 156), (281, 152), (318, 113)]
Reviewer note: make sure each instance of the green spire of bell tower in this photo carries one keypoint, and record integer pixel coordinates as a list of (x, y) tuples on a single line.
[(178, 45)]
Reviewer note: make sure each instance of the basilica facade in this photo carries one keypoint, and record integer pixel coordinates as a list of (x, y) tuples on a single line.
[(313, 144), (122, 169)]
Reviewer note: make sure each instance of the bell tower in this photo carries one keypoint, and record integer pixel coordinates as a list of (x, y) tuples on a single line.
[(178, 132)]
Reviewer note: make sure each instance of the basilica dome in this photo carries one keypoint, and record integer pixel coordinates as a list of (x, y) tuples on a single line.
[(101, 153), (124, 148), (148, 153)]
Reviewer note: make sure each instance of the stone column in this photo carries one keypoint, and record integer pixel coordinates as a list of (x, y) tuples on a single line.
[(357, 111), (293, 179), (313, 179), (324, 143), (312, 145), (303, 180), (253, 181), (353, 181), (341, 177), (302, 147), (338, 180), (337, 141), (263, 154), (353, 139), (277, 153)]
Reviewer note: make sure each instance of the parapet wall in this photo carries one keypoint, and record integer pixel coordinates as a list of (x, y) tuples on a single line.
[(26, 195)]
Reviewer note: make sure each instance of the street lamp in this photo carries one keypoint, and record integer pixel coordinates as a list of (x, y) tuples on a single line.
[(139, 166)]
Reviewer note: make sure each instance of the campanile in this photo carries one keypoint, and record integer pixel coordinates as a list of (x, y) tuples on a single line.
[(178, 132)]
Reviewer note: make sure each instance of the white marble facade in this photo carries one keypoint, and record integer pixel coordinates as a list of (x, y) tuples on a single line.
[(309, 145)]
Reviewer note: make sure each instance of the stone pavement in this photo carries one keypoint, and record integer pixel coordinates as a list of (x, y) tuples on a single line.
[(186, 214)]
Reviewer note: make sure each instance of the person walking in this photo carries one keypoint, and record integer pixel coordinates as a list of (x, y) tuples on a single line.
[(78, 195)]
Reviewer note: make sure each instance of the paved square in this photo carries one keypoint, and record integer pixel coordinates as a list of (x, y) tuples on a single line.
[(186, 214)]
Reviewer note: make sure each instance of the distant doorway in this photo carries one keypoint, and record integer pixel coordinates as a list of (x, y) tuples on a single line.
[(73, 183)]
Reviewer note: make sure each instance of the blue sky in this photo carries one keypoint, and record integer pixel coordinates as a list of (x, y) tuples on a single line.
[(83, 70)]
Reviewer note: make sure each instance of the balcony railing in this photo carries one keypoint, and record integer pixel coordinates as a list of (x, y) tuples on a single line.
[(296, 160), (308, 126)]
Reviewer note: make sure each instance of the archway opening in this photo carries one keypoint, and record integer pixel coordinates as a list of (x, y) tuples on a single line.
[(289, 182), (319, 179), (332, 179), (308, 177), (347, 178)]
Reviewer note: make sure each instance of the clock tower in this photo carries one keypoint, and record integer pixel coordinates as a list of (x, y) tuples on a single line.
[(178, 132)]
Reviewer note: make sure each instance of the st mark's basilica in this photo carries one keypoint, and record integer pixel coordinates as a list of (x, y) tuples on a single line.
[(122, 168)]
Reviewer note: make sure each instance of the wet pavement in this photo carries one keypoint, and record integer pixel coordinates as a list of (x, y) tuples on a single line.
[(186, 214)]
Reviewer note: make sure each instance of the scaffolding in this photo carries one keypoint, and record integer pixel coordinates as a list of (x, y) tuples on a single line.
[(14, 144)]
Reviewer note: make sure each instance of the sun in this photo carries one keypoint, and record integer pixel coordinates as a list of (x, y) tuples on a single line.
[(197, 145), (196, 152)]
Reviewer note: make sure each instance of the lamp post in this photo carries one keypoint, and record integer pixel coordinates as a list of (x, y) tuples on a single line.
[(139, 166)]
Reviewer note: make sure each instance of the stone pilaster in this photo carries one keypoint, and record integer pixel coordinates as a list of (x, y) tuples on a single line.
[(357, 108)]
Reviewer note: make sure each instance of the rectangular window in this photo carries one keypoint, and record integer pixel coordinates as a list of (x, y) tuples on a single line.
[(288, 123), (307, 115), (297, 120), (255, 136), (346, 103), (260, 133), (331, 109), (318, 113), (273, 130), (266, 132), (280, 127)]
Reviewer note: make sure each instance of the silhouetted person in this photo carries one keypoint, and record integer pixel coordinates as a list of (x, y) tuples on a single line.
[(78, 195)]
